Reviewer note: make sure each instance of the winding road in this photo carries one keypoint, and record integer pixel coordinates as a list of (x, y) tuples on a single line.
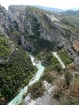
[(59, 59)]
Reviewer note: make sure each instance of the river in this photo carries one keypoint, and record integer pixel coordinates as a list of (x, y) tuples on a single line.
[(18, 98)]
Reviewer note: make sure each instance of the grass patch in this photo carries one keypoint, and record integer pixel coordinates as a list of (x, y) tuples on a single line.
[(64, 57), (53, 64)]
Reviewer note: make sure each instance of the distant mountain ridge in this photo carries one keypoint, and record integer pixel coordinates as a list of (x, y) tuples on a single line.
[(72, 13), (22, 7), (51, 9), (75, 9)]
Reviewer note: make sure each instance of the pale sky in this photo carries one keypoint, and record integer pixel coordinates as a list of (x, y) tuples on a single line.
[(61, 4)]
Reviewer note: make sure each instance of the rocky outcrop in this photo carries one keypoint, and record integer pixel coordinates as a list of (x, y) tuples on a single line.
[(17, 18), (49, 29), (76, 45), (26, 44), (4, 20), (35, 26), (71, 52), (46, 99)]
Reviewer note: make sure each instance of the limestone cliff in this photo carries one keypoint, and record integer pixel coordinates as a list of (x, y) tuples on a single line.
[(40, 29)]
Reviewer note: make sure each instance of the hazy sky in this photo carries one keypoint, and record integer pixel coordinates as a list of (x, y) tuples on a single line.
[(61, 4)]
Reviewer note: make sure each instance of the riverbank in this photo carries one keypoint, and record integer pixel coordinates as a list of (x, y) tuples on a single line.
[(54, 86), (41, 68), (18, 97)]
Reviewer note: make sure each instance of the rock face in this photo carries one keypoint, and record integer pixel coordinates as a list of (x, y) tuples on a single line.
[(76, 45), (43, 100), (17, 18), (4, 20), (38, 28)]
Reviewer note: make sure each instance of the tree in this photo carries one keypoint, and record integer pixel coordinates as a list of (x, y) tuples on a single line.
[(68, 78)]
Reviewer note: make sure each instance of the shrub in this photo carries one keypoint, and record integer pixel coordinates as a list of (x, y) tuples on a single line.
[(64, 56), (68, 77), (49, 76), (15, 73), (59, 90), (58, 68), (5, 48), (37, 89), (74, 88)]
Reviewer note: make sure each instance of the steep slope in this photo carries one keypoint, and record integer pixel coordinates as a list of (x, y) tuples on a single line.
[(36, 29), (17, 17), (56, 85), (16, 68), (50, 27), (7, 48), (72, 13), (4, 21)]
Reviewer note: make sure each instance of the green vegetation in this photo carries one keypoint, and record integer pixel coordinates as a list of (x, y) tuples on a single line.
[(66, 92), (21, 103), (5, 49), (71, 22), (66, 89), (67, 96), (52, 66), (64, 56), (67, 22), (51, 72), (49, 76), (18, 70), (49, 61), (36, 40), (68, 77), (37, 89), (15, 74), (35, 9), (45, 56)]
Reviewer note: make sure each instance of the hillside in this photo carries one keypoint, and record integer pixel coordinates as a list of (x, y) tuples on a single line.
[(16, 68), (6, 48), (57, 86), (72, 13), (14, 75), (56, 31), (51, 38)]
